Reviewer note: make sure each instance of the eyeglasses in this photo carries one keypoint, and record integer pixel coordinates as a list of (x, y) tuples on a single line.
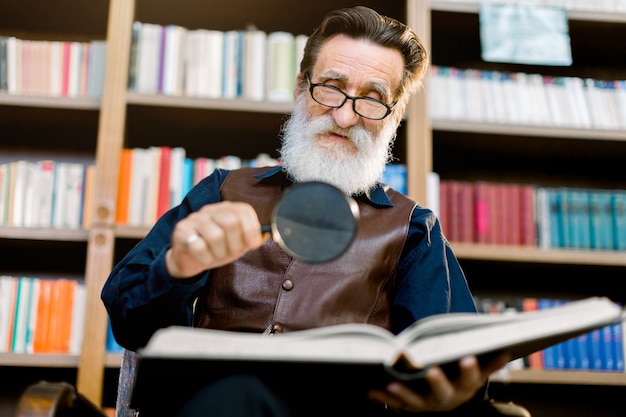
[(333, 97)]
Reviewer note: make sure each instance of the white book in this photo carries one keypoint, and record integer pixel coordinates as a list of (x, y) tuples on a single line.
[(30, 195), (436, 93), (59, 202), (14, 66), (472, 95), (193, 56), (74, 190), (599, 109), (7, 287), (210, 72), (19, 174), (608, 95), (488, 96), (44, 196), (56, 48), (555, 94), (575, 87), (73, 83), (255, 53), (254, 47), (31, 319), (280, 66), (433, 192), (5, 190), (369, 351), (79, 307), (178, 155), (499, 99), (173, 60), (521, 97), (540, 112), (139, 185), (213, 41), (148, 58), (620, 98)]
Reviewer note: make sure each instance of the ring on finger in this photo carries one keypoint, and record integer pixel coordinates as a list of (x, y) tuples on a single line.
[(191, 238)]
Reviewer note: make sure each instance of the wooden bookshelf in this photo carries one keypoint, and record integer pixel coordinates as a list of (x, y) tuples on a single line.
[(100, 128)]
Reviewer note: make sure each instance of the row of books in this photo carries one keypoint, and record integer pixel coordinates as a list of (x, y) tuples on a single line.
[(606, 6), (46, 194), (528, 215), (52, 68), (249, 64), (598, 350), (41, 315), (153, 180), (529, 99)]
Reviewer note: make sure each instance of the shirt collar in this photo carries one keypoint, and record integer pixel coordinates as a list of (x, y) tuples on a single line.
[(377, 196)]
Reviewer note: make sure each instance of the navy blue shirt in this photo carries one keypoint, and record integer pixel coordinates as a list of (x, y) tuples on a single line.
[(141, 297)]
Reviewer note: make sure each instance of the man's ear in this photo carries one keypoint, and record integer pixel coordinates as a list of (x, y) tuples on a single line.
[(296, 89)]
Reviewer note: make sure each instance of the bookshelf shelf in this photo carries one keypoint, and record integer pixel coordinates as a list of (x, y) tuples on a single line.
[(561, 377), (527, 130), (238, 105), (35, 233), (536, 255), (79, 103), (38, 360)]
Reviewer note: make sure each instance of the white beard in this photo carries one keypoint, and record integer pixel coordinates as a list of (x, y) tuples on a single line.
[(304, 160)]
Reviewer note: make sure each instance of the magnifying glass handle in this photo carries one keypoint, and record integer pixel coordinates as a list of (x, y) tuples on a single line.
[(266, 228)]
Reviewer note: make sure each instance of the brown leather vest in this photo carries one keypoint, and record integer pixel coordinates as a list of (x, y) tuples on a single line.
[(268, 290)]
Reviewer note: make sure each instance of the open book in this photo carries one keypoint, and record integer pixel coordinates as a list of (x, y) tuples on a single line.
[(435, 340)]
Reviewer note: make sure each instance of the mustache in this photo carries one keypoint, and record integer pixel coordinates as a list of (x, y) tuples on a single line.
[(326, 124)]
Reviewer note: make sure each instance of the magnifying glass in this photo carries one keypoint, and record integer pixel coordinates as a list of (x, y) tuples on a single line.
[(314, 222)]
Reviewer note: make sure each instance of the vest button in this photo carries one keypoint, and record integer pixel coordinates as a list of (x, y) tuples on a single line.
[(287, 285), (277, 328)]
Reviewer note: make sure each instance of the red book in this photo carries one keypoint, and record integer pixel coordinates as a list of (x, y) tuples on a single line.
[(444, 190), (164, 198), (65, 68), (512, 223), (465, 211), (454, 232), (484, 208), (528, 228)]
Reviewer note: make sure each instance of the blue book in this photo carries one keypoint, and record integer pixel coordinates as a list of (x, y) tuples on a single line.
[(600, 220), (555, 218), (395, 177), (582, 349), (608, 354), (578, 219), (595, 350), (618, 203), (618, 346), (187, 177)]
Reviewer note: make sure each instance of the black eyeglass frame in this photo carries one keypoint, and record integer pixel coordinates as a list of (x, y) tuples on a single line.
[(349, 97)]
